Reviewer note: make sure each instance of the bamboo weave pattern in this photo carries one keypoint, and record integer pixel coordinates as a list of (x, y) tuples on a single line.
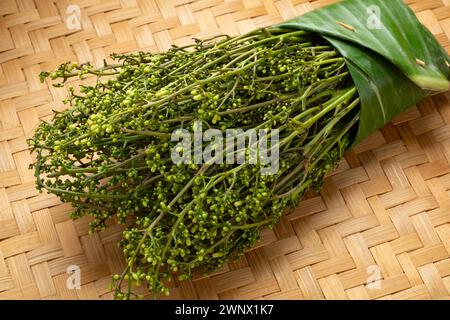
[(384, 214)]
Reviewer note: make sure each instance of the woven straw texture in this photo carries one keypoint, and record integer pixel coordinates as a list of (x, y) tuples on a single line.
[(379, 229)]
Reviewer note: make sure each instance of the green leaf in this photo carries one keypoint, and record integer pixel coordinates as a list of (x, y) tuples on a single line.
[(394, 61), (384, 90), (401, 38)]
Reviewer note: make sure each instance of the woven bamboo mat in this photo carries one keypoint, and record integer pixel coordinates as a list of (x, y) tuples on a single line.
[(379, 229)]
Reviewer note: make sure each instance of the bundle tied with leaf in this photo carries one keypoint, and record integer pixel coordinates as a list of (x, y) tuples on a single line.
[(320, 83)]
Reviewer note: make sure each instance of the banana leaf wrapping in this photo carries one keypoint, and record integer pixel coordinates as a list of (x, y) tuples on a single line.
[(394, 61)]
